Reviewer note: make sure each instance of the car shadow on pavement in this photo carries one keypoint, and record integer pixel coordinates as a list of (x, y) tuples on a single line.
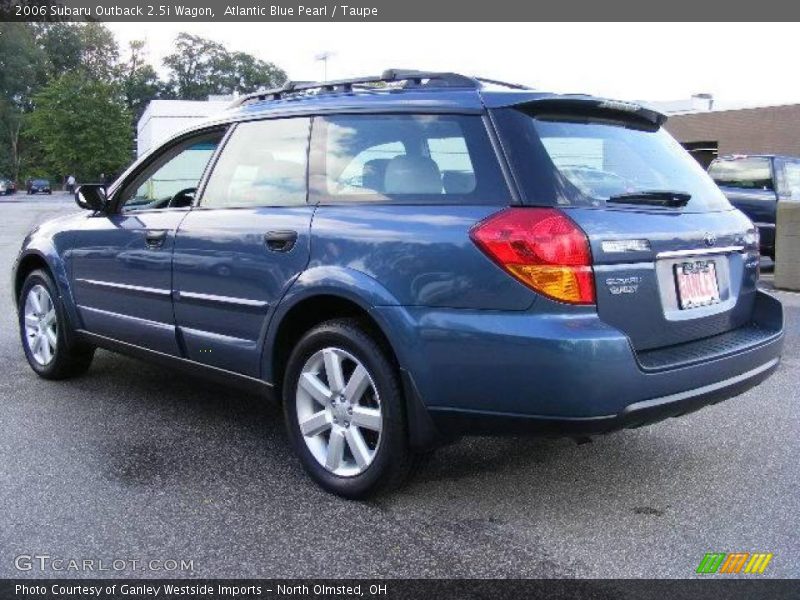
[(164, 427)]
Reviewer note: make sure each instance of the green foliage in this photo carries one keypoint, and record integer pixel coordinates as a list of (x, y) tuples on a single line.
[(100, 52), (22, 71), (62, 45), (82, 125), (139, 80), (68, 103), (200, 67)]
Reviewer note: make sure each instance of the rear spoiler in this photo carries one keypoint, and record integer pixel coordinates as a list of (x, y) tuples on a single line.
[(578, 103)]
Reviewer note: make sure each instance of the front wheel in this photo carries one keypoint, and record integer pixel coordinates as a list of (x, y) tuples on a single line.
[(344, 411), (43, 329)]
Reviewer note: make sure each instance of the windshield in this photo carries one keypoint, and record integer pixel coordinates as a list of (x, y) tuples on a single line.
[(744, 173), (597, 158)]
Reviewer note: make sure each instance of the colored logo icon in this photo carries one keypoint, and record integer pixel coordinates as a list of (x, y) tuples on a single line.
[(734, 562)]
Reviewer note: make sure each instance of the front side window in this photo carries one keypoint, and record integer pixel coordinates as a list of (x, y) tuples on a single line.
[(263, 164), (171, 180), (745, 173), (405, 158), (588, 159)]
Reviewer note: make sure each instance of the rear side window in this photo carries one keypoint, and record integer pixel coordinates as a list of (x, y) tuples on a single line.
[(262, 164), (586, 159), (405, 159), (745, 173)]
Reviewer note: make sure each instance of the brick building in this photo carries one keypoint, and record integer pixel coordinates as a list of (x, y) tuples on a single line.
[(762, 130)]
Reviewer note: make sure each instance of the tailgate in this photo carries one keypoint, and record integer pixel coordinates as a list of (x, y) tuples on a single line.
[(639, 257)]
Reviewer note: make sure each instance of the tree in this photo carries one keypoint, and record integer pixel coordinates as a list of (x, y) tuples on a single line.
[(140, 82), (62, 45), (245, 73), (200, 67), (99, 52), (192, 66), (82, 125), (22, 71)]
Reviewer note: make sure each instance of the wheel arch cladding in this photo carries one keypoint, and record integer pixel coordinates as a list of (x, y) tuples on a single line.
[(28, 263), (312, 310), (309, 311)]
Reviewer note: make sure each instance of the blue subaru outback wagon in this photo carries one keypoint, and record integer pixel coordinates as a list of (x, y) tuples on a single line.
[(405, 259)]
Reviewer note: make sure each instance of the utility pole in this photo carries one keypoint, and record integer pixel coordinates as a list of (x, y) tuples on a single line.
[(324, 56)]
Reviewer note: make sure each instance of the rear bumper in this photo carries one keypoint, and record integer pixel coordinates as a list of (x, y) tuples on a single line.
[(488, 373), (453, 422)]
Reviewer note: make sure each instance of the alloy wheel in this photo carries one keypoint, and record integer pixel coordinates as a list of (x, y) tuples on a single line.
[(339, 412), (41, 325)]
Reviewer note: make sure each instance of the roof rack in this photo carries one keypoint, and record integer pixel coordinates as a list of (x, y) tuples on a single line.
[(410, 79)]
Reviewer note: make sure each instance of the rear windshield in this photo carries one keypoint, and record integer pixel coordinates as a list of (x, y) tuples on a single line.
[(584, 160), (749, 173)]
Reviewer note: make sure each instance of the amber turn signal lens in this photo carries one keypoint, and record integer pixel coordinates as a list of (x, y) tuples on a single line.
[(542, 248)]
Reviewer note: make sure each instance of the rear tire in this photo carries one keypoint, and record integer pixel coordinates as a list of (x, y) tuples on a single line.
[(49, 346), (344, 411)]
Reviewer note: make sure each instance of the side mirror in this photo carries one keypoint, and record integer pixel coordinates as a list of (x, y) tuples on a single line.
[(91, 196)]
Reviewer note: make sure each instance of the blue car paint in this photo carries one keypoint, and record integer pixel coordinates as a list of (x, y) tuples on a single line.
[(112, 248), (666, 233), (227, 286), (541, 365), (422, 255), (470, 338)]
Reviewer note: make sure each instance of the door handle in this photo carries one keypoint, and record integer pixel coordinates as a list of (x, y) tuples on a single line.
[(280, 241), (155, 239)]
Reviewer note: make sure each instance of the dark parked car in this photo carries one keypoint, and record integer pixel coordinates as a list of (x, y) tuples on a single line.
[(7, 186), (39, 186), (755, 184), (401, 264)]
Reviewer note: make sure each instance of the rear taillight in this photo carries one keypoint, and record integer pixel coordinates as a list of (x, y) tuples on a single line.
[(543, 249)]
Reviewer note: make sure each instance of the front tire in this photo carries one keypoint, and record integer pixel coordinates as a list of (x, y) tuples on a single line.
[(344, 411), (50, 350)]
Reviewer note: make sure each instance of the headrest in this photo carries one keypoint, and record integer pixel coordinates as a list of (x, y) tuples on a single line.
[(374, 174), (412, 175), (458, 182)]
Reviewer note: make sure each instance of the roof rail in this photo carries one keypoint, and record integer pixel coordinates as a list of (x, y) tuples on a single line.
[(412, 79), (513, 86)]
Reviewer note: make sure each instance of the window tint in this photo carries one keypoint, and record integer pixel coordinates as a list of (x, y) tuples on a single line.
[(405, 158), (577, 158), (262, 164), (746, 173), (179, 169)]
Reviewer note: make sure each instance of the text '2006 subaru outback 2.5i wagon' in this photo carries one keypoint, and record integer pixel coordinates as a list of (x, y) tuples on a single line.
[(408, 258)]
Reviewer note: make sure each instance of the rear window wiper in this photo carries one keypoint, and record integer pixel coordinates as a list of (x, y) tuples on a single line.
[(653, 198)]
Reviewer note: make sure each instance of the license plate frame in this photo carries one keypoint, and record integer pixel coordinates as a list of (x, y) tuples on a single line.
[(696, 284)]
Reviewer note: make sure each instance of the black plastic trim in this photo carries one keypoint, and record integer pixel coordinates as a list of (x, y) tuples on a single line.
[(422, 433), (222, 376)]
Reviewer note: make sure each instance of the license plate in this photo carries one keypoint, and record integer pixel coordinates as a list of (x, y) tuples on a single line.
[(697, 284)]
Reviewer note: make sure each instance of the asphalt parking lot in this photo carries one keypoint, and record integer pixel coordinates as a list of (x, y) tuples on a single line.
[(134, 462)]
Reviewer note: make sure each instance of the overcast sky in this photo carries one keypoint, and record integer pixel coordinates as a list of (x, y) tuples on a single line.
[(740, 64)]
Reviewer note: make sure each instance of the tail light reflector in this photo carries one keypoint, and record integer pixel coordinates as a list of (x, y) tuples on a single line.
[(542, 248)]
